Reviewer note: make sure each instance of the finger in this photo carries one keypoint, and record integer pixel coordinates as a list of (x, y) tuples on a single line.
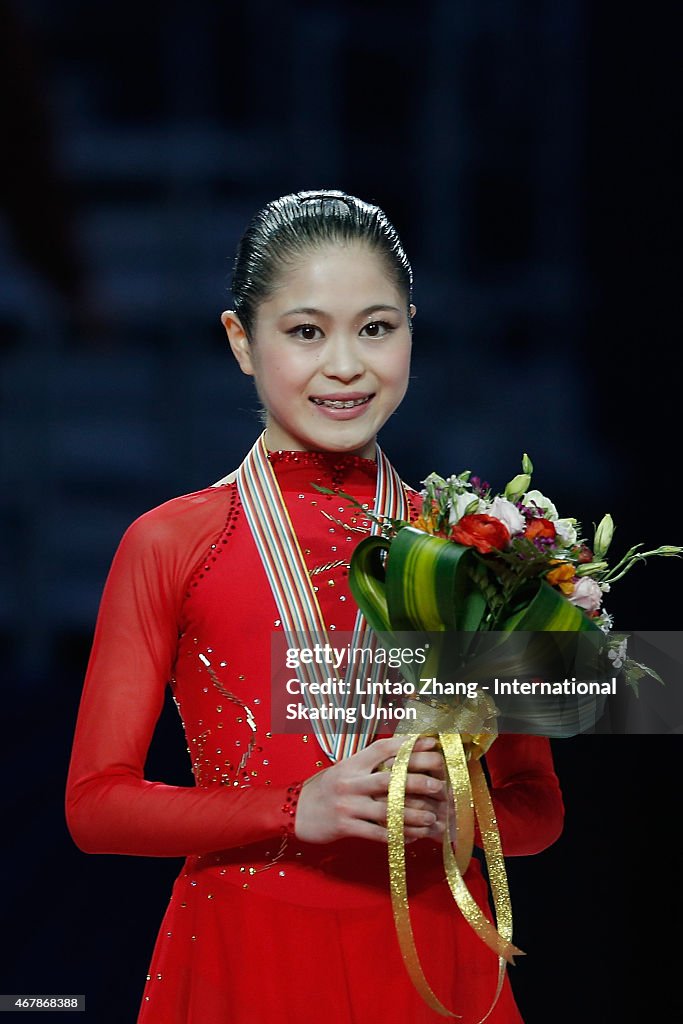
[(381, 750), (378, 834), (377, 785), (437, 807), (368, 830), (432, 763), (369, 809), (425, 785), (426, 743), (437, 830), (413, 817), (427, 763), (418, 819), (411, 834)]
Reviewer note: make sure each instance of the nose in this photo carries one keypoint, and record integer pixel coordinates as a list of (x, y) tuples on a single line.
[(343, 359)]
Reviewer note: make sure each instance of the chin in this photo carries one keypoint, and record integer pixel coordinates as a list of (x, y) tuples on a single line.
[(365, 448)]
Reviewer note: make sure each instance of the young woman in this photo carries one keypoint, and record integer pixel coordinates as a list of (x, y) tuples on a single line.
[(282, 910)]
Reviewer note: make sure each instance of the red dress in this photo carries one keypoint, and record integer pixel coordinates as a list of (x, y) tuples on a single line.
[(259, 929)]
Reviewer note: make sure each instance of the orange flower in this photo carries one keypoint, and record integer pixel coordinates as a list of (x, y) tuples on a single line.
[(426, 525), (485, 533), (540, 528), (562, 577)]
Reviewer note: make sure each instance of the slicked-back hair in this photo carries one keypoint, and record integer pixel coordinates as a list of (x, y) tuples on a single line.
[(287, 228)]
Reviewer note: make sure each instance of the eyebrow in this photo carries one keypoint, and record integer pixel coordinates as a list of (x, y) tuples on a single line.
[(311, 311)]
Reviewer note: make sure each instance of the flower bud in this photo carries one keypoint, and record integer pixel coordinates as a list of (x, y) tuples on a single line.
[(517, 486), (527, 464), (603, 537)]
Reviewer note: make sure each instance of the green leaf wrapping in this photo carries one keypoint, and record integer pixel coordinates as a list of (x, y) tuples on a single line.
[(422, 582), (424, 586), (367, 582), (550, 610)]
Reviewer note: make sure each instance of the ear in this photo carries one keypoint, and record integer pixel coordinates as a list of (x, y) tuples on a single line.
[(239, 342)]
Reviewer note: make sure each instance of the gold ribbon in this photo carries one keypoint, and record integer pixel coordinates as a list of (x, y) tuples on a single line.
[(465, 733)]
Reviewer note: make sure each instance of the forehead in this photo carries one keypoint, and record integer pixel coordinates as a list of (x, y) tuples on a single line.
[(335, 277)]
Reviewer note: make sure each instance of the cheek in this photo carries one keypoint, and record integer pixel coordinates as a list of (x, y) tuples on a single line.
[(292, 370), (398, 368), (274, 370), (287, 374)]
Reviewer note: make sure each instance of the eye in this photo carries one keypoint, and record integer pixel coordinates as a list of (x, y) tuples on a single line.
[(307, 332), (377, 329)]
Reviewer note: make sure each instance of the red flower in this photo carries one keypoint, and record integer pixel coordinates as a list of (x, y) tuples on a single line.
[(540, 528), (485, 533)]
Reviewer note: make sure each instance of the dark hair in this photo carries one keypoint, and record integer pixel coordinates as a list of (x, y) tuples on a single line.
[(287, 227)]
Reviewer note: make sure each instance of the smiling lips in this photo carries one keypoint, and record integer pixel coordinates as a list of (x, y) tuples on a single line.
[(341, 403)]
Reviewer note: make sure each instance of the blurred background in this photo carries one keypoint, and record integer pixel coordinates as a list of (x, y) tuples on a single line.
[(524, 152)]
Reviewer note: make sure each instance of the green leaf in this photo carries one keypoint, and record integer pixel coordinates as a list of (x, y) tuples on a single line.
[(425, 585), (428, 584), (636, 670), (367, 581), (550, 610)]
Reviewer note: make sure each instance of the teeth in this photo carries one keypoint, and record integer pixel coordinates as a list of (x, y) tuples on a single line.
[(336, 404)]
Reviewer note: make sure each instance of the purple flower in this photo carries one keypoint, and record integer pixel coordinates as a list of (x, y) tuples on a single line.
[(479, 486)]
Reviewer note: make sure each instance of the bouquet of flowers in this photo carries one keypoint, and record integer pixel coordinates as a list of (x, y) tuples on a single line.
[(475, 562), (478, 561)]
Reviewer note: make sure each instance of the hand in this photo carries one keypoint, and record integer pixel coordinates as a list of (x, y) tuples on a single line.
[(349, 799), (433, 764)]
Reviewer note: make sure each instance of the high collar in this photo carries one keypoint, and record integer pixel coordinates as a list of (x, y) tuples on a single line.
[(336, 470)]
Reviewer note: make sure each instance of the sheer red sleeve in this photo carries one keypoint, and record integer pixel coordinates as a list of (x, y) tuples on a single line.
[(526, 794), (110, 806)]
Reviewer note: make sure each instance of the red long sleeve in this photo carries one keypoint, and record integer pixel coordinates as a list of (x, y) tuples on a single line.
[(526, 794), (110, 806)]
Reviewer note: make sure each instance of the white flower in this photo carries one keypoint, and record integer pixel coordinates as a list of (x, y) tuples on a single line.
[(456, 483), (460, 506), (587, 594), (538, 500), (606, 621), (618, 654), (565, 530), (508, 513)]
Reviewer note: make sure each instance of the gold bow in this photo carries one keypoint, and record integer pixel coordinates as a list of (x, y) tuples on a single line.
[(465, 733)]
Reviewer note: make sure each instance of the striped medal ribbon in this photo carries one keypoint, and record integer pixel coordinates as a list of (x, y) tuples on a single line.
[(297, 602)]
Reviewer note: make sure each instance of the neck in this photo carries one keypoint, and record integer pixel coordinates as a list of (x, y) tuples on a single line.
[(275, 442)]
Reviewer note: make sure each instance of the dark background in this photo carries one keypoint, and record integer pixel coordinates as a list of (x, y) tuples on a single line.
[(524, 151)]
